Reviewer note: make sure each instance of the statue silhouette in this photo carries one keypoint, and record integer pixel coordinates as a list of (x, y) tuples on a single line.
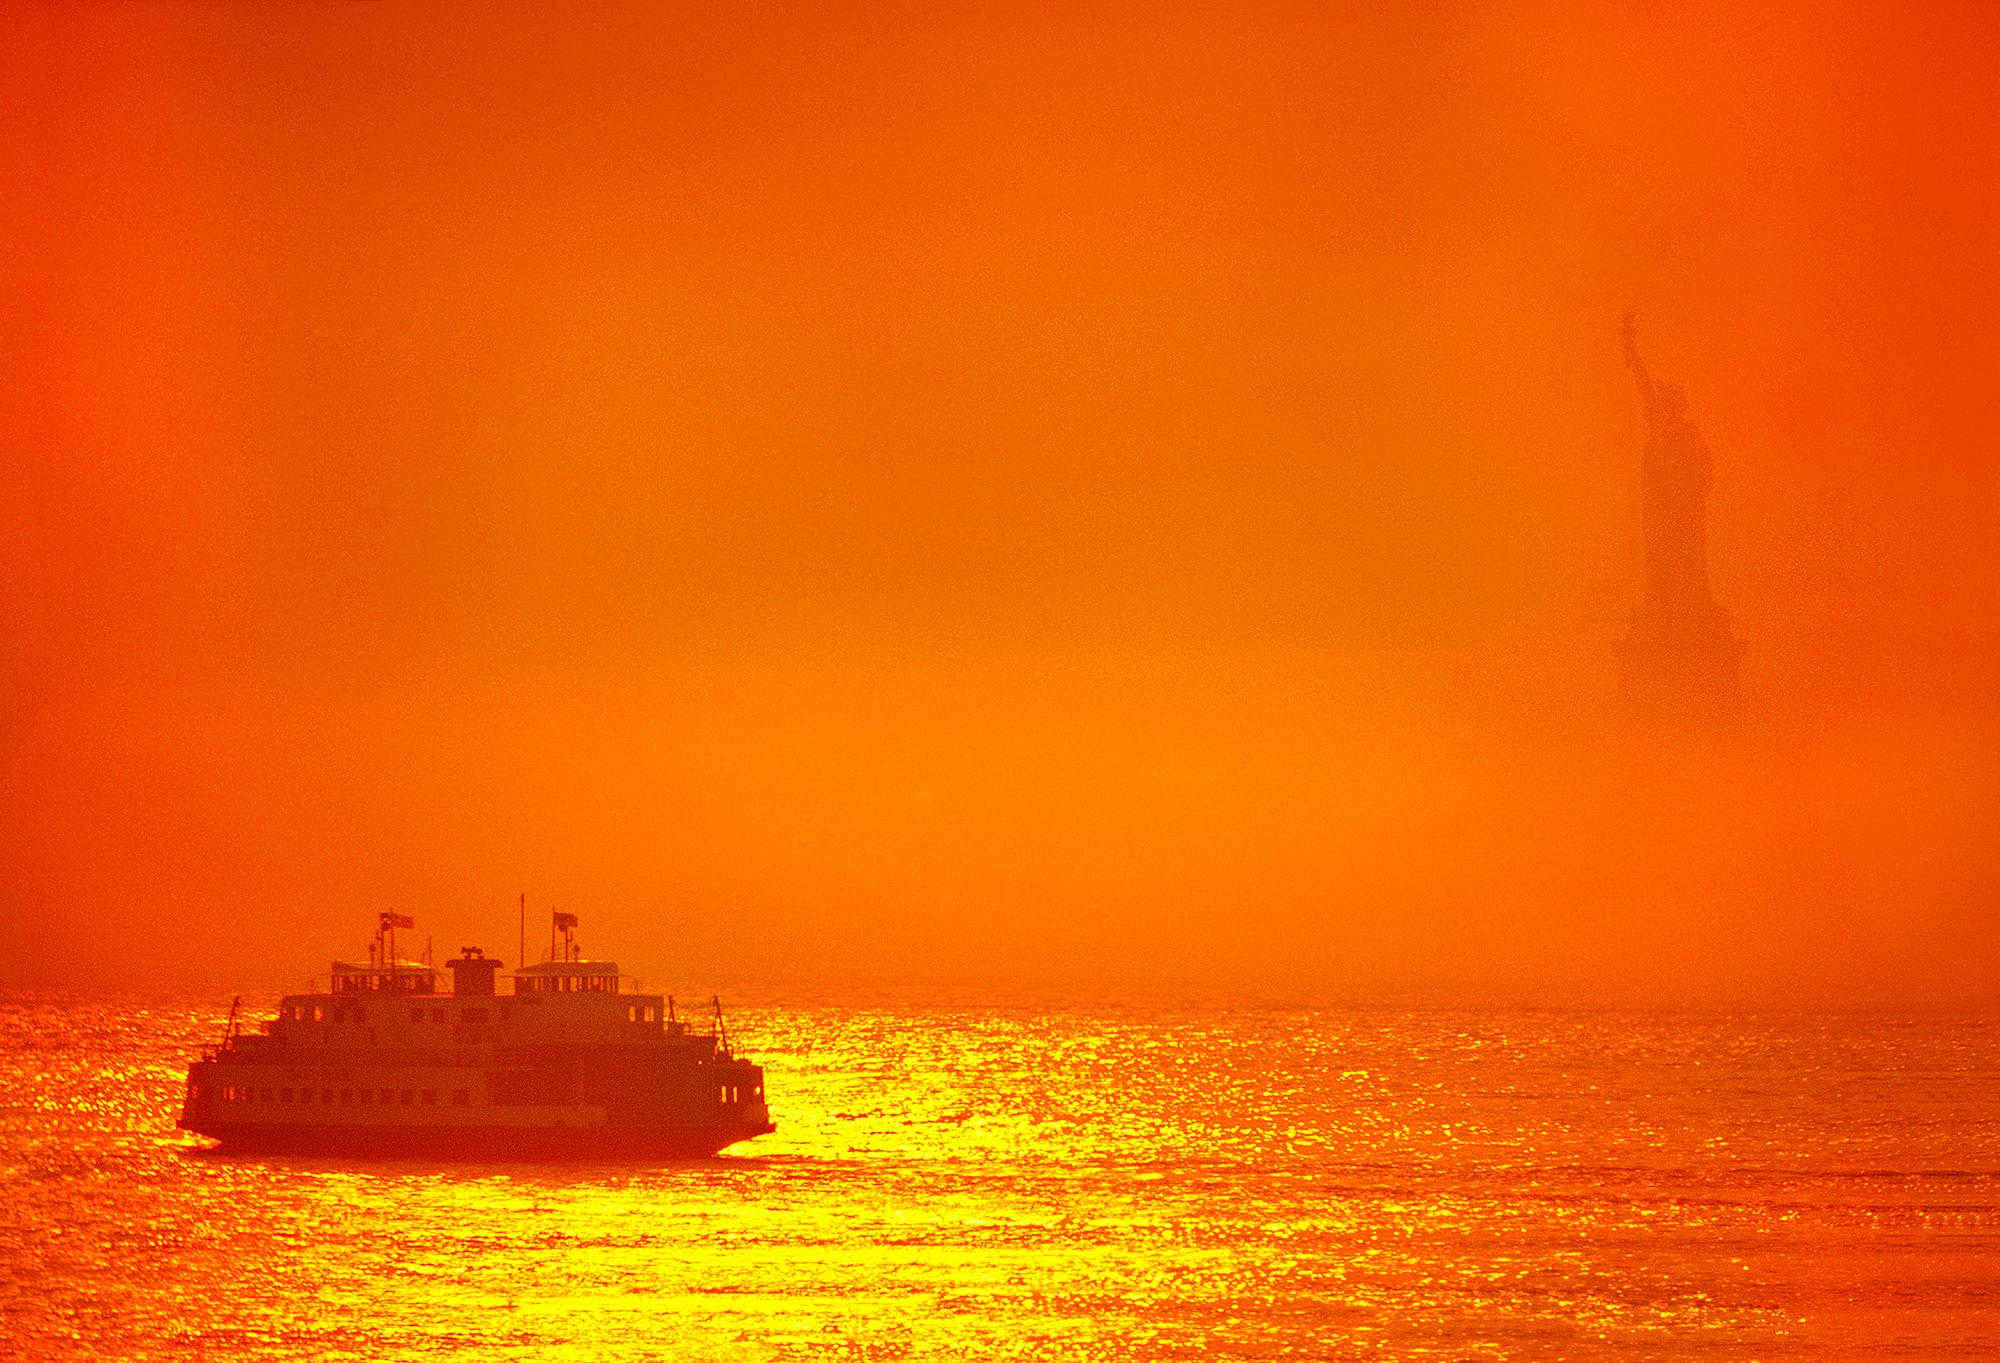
[(1680, 655), (1675, 476)]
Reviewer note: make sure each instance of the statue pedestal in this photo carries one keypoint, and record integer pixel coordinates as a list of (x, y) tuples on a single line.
[(1680, 659)]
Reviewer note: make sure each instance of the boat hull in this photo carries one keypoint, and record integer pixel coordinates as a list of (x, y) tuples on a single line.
[(553, 1144)]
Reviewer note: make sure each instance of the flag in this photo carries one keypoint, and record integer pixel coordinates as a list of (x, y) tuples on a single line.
[(566, 921), (397, 920)]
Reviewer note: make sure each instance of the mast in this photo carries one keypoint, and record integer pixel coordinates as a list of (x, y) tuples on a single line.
[(522, 959)]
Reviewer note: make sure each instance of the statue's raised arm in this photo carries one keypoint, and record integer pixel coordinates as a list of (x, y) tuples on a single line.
[(1628, 335)]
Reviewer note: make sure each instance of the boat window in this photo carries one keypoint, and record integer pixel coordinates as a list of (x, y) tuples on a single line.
[(347, 1097), (367, 1097), (416, 1015), (388, 1097), (472, 1015), (459, 1098), (437, 1015), (430, 1097), (404, 1097), (284, 1095), (305, 1095), (263, 1095), (326, 1095)]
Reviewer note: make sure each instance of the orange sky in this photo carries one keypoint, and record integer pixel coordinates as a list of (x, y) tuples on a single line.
[(1117, 497)]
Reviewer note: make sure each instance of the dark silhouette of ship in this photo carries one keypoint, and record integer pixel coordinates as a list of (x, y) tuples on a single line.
[(569, 1065)]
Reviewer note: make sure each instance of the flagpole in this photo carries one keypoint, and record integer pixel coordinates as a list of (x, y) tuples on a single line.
[(522, 959)]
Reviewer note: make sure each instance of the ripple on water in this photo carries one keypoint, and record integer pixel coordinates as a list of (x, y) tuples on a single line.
[(1118, 1183)]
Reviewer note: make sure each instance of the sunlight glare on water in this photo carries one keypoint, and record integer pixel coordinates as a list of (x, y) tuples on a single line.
[(1100, 1182)]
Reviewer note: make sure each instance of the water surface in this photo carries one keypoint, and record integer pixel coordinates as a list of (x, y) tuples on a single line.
[(1088, 1182)]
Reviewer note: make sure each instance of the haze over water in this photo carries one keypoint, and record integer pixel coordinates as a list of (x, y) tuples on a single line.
[(1032, 495), (1045, 1180)]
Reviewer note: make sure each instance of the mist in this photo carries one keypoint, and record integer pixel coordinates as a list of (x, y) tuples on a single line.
[(1143, 500)]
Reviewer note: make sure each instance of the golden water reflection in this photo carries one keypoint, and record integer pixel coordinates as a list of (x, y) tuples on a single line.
[(1096, 1183)]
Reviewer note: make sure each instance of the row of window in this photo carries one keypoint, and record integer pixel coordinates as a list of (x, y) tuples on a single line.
[(402, 982), (733, 1093), (315, 1012), (245, 1093), (566, 984)]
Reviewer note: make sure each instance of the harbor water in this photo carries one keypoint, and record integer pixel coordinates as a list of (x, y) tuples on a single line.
[(1083, 1180)]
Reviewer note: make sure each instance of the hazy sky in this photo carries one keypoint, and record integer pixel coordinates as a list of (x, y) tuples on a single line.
[(1097, 496)]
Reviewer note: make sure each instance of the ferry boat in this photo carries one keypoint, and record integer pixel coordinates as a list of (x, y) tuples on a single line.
[(571, 1064)]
